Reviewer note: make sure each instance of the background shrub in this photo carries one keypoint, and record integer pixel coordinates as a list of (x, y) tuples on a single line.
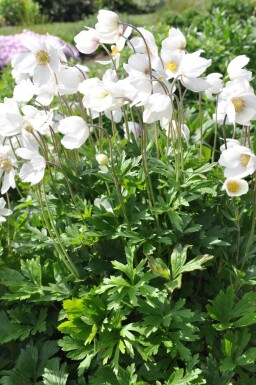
[(67, 10), (131, 6), (19, 12)]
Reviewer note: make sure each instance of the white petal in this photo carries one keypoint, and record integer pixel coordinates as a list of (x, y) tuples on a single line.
[(5, 184), (2, 203), (24, 63), (42, 75), (195, 84), (24, 153)]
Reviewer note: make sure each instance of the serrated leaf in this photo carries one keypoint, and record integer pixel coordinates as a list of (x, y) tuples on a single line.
[(54, 374), (196, 263), (178, 377), (247, 358)]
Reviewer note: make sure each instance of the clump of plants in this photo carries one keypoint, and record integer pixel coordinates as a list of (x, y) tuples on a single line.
[(128, 246), (24, 12)]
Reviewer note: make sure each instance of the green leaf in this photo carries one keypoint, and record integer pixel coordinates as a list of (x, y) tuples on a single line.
[(226, 311), (54, 374), (178, 259), (178, 377), (159, 267), (174, 284), (247, 358), (221, 308), (196, 263)]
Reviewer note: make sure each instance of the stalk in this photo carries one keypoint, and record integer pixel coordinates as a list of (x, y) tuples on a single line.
[(252, 232), (215, 130), (201, 126), (50, 231)]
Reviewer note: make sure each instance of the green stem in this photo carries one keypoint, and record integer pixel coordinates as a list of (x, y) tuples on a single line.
[(72, 267), (252, 232), (201, 126), (50, 230), (215, 130), (238, 231)]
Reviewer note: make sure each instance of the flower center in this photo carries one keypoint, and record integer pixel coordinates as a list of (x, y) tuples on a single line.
[(114, 51), (239, 104), (233, 186), (171, 66), (42, 57), (28, 127), (244, 159), (5, 165)]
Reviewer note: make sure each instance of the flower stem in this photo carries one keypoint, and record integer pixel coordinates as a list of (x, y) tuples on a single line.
[(252, 232), (201, 125)]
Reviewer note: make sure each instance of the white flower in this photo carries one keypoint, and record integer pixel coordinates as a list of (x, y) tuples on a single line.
[(187, 67), (75, 132), (100, 97), (70, 78), (87, 41), (10, 118), (216, 84), (139, 77), (157, 107), (108, 26), (235, 187), (36, 120), (236, 103), (102, 159), (114, 115), (137, 62), (86, 88), (235, 68), (4, 212), (176, 41), (229, 143), (239, 162), (241, 108), (24, 91), (7, 164), (41, 60), (139, 45), (103, 202), (133, 127), (32, 171)]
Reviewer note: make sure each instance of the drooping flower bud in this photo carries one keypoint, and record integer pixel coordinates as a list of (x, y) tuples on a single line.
[(102, 159)]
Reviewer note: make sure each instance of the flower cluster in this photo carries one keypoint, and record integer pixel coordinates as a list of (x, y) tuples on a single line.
[(239, 162), (237, 105), (149, 88), (237, 102)]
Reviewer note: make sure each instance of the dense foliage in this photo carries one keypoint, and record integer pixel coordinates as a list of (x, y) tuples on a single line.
[(19, 12)]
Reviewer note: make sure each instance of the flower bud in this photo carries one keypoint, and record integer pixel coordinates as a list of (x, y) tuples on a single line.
[(102, 159)]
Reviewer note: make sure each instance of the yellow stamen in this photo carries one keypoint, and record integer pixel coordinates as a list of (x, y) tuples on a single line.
[(114, 50), (171, 66), (5, 165), (28, 127), (239, 104), (244, 159), (42, 57), (233, 186)]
